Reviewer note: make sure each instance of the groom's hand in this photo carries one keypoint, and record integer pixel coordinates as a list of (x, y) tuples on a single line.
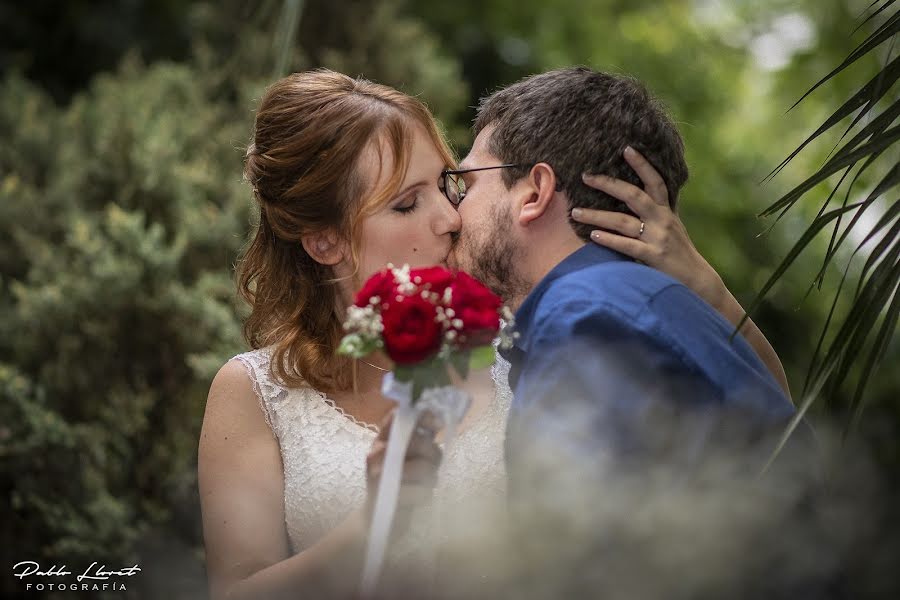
[(420, 468)]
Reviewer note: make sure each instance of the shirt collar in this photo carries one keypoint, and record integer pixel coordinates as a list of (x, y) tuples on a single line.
[(588, 255)]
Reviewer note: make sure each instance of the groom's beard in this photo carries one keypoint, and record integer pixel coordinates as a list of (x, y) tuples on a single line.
[(490, 255)]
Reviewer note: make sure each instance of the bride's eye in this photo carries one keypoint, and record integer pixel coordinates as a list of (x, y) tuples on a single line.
[(408, 205)]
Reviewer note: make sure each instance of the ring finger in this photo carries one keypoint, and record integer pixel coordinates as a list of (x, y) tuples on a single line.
[(622, 223)]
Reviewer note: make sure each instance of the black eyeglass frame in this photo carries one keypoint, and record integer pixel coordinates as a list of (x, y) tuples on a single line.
[(446, 173)]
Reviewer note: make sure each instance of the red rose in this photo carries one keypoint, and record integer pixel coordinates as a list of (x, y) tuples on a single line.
[(380, 284), (436, 279), (478, 309), (411, 333)]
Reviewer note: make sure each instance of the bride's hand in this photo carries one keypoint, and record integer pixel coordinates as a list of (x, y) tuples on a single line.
[(656, 236), (420, 467)]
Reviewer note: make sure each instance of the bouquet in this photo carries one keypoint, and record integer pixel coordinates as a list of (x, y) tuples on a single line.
[(427, 321)]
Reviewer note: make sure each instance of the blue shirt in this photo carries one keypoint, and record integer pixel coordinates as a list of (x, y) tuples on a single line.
[(618, 357)]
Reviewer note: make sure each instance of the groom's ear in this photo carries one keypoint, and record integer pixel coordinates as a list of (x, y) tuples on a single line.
[(539, 191)]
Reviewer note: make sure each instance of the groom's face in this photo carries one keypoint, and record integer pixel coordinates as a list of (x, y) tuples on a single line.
[(487, 247)]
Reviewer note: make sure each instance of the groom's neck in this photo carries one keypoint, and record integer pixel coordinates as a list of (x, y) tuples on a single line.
[(546, 255)]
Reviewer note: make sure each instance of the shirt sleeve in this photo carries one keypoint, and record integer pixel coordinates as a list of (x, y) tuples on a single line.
[(594, 384)]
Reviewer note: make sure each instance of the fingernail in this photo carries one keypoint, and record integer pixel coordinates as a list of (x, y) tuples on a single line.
[(595, 235), (588, 176), (629, 151), (576, 212)]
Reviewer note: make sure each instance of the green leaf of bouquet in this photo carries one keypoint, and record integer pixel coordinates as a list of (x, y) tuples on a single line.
[(430, 374), (482, 357), (440, 376), (418, 386), (370, 345), (403, 373), (460, 362), (351, 345)]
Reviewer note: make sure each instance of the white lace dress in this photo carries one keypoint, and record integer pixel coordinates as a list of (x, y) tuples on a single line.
[(324, 453)]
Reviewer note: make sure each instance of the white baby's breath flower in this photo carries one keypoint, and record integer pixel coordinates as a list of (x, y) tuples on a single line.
[(364, 320), (401, 276)]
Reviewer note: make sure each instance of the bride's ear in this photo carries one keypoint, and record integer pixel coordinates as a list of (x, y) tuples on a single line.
[(325, 247), (541, 187)]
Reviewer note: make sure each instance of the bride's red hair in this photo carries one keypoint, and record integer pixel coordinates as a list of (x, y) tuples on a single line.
[(302, 164)]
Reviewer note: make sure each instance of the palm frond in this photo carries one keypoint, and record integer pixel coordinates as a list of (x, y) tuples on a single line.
[(853, 332), (879, 250), (864, 333), (875, 355), (834, 243), (881, 9), (286, 36), (840, 161), (808, 236), (886, 219), (867, 96), (817, 353), (872, 295), (889, 180), (881, 35)]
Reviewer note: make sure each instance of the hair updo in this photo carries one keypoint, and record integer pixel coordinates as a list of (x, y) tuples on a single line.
[(311, 129)]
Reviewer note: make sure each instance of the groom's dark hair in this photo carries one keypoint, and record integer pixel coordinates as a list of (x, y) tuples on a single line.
[(576, 120)]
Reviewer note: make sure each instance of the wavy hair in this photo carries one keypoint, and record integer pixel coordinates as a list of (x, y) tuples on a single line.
[(310, 131)]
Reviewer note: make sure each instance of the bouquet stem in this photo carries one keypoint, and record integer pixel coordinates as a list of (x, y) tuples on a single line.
[(386, 498)]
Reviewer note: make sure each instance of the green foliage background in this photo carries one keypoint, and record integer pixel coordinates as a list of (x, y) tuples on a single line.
[(122, 211)]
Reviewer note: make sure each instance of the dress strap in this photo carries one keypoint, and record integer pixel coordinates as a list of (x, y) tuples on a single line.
[(268, 391)]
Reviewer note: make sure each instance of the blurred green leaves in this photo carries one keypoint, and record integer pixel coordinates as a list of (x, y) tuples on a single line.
[(122, 208)]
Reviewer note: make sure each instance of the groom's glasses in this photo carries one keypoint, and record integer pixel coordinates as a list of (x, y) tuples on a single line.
[(453, 186)]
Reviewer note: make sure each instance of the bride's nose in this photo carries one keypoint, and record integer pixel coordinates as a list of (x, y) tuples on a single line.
[(447, 219)]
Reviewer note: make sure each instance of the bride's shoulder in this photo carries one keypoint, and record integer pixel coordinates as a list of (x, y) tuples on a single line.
[(257, 358), (256, 366), (243, 384), (233, 399)]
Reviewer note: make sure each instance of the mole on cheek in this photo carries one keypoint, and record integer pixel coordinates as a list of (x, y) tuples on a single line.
[(415, 249)]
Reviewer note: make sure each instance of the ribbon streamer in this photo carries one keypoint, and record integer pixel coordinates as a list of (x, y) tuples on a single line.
[(448, 404)]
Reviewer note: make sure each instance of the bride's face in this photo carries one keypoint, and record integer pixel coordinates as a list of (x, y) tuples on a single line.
[(415, 227)]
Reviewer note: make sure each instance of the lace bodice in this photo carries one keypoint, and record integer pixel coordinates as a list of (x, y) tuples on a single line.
[(324, 450)]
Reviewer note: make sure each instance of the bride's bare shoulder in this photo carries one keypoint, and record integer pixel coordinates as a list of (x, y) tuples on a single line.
[(232, 379), (240, 479), (233, 406)]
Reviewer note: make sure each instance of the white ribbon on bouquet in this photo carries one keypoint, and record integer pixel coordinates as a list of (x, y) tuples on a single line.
[(448, 404)]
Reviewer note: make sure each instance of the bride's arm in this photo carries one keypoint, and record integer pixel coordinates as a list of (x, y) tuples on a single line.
[(242, 499), (664, 244)]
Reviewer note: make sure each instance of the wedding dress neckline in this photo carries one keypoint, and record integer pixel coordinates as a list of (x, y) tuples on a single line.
[(374, 429), (367, 426), (323, 453)]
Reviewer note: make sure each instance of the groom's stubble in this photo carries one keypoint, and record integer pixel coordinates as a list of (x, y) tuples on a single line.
[(490, 254)]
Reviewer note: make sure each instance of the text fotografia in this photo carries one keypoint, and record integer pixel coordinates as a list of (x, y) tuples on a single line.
[(95, 578)]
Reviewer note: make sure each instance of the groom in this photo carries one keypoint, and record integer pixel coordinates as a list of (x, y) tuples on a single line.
[(617, 368)]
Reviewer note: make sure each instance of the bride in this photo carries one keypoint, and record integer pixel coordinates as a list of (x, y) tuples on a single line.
[(346, 174)]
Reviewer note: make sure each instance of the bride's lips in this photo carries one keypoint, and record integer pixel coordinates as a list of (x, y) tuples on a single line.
[(450, 260)]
